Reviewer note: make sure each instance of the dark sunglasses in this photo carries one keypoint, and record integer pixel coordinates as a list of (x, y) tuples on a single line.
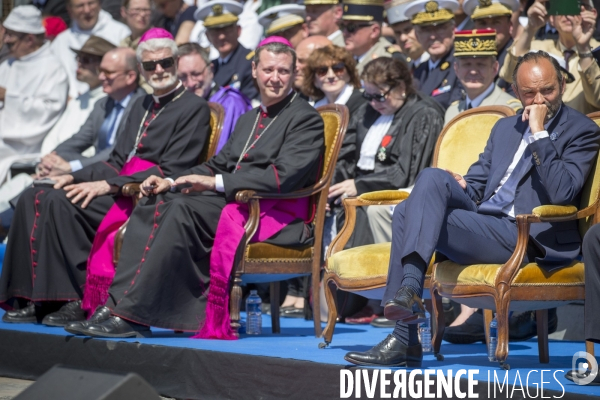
[(164, 63), (377, 97), (337, 69), (352, 27), (86, 60)]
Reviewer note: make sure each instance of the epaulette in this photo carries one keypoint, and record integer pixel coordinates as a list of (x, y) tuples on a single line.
[(455, 102), (392, 50), (511, 101), (250, 55)]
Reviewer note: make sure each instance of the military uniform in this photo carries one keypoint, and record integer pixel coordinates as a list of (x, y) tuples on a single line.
[(439, 82), (235, 69), (337, 38), (279, 19), (382, 48), (496, 98)]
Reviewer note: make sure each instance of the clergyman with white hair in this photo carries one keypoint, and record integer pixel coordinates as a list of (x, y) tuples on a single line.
[(66, 228)]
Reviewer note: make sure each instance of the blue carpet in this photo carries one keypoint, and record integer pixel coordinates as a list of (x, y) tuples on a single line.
[(297, 341)]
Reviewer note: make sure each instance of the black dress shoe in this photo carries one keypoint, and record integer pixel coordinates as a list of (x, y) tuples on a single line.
[(101, 314), (571, 375), (70, 312), (471, 331), (406, 306), (116, 327), (390, 352), (383, 322), (292, 313), (21, 316)]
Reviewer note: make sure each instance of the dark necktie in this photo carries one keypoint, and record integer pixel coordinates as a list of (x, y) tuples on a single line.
[(506, 194), (568, 54), (469, 106), (108, 126)]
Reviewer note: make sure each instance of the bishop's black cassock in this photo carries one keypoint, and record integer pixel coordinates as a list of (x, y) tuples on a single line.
[(163, 275), (51, 238)]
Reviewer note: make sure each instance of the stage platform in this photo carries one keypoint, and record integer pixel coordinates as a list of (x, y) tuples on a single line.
[(285, 366)]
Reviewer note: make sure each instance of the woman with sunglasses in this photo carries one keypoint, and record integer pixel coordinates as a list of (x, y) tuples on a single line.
[(389, 140), (331, 77)]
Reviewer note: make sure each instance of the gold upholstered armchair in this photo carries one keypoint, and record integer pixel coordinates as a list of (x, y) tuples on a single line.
[(217, 116), (363, 270), (263, 262), (516, 286)]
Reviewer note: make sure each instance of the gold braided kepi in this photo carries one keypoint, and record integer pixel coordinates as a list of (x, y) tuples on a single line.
[(363, 10), (475, 43), (281, 18), (479, 9), (219, 13), (431, 12)]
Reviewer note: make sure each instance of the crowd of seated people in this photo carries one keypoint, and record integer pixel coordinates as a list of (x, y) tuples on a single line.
[(102, 102)]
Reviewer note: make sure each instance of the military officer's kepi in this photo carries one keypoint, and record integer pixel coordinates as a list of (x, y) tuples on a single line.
[(479, 9), (431, 12), (219, 13), (363, 10), (319, 2), (395, 11), (281, 18), (475, 43)]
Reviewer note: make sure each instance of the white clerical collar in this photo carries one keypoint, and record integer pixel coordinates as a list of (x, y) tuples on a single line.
[(226, 59), (334, 35), (433, 64), (476, 102), (157, 98), (264, 108)]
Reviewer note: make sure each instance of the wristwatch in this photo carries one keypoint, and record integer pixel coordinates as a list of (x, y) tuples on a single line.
[(586, 55)]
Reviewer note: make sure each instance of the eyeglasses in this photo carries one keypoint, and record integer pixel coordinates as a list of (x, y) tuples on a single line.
[(85, 60), (377, 97), (164, 63), (194, 75), (352, 27), (138, 11), (337, 69)]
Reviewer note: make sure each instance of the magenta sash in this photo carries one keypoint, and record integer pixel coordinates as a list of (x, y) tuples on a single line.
[(100, 267), (274, 216)]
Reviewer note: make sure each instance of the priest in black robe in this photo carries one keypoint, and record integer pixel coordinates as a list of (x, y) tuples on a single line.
[(165, 276), (54, 225)]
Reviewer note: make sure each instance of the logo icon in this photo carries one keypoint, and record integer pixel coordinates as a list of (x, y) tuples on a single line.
[(580, 369)]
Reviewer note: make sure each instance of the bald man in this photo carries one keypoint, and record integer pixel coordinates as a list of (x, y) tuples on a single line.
[(303, 51)]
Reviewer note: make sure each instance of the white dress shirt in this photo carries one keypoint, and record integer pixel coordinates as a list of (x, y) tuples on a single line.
[(342, 98)]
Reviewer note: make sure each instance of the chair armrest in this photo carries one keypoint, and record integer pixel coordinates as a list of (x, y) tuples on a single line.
[(554, 211), (131, 189), (383, 197)]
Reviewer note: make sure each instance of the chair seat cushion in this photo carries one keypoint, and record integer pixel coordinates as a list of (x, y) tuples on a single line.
[(268, 251), (450, 273)]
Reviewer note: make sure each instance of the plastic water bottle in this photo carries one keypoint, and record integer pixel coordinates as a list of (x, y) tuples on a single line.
[(493, 343), (425, 333), (253, 312)]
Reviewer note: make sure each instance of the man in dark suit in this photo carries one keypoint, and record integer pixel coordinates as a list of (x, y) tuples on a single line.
[(542, 156), (434, 26), (106, 121), (233, 67)]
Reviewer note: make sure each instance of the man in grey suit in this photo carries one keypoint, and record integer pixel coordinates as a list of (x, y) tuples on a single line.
[(118, 73)]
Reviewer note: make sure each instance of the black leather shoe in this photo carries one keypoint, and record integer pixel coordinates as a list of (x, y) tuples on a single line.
[(390, 352), (21, 316), (70, 312), (471, 331), (406, 306), (101, 314), (116, 327), (383, 322), (572, 374), (292, 313)]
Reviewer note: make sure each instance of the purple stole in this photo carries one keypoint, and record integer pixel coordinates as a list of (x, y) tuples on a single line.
[(274, 216), (100, 266)]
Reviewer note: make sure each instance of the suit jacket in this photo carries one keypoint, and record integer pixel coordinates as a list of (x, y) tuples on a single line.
[(558, 171), (87, 136), (237, 72), (496, 98), (440, 83)]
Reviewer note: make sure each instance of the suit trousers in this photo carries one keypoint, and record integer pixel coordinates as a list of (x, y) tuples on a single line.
[(440, 216), (591, 259)]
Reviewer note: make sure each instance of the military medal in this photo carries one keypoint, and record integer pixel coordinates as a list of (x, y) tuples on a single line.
[(381, 154)]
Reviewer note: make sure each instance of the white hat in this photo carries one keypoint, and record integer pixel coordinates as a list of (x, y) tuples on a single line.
[(490, 8), (395, 11), (219, 13), (279, 18), (25, 19), (431, 12)]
